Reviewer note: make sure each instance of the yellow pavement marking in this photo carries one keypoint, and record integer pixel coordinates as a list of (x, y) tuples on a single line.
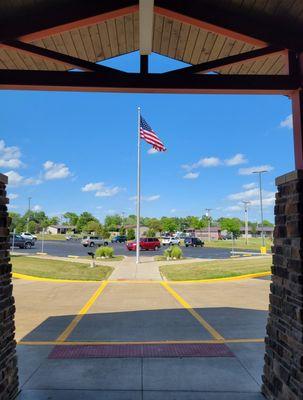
[(98, 343), (231, 278), (40, 279), (216, 335), (65, 334)]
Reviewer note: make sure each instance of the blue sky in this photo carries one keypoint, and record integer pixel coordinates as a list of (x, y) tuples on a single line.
[(54, 144)]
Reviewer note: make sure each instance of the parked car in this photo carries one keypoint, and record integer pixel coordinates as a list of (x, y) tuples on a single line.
[(21, 242), (91, 241), (170, 241), (193, 241), (71, 237), (145, 244), (27, 235), (119, 239)]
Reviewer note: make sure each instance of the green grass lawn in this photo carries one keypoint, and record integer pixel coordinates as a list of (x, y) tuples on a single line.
[(48, 236), (99, 259), (215, 269), (253, 244), (44, 268)]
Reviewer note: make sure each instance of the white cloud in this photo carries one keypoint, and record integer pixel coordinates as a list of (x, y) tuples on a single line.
[(173, 210), (191, 175), (108, 192), (250, 170), (287, 122), (237, 159), (252, 195), (15, 179), (101, 190), (37, 207), (10, 156), (91, 187), (233, 208), (13, 196), (55, 171), (152, 151), (203, 162), (146, 198), (251, 185)]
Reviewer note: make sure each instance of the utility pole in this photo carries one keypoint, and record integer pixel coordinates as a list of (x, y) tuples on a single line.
[(246, 219), (29, 210), (261, 203), (208, 210)]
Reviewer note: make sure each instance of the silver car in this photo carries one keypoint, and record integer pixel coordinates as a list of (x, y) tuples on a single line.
[(91, 241)]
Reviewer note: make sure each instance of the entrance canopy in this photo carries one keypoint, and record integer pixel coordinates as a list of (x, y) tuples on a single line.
[(249, 46)]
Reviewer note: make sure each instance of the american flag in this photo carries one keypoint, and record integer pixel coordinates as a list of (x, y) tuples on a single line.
[(150, 136)]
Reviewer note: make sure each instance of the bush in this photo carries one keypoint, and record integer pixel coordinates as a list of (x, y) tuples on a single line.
[(176, 253), (130, 234), (105, 251), (173, 252)]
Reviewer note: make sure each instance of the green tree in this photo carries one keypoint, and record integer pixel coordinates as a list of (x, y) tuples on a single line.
[(122, 231), (71, 218), (267, 223), (113, 222), (231, 225), (53, 221), (83, 219), (32, 227), (15, 220), (150, 233), (155, 224), (105, 233), (92, 226), (169, 224), (131, 234)]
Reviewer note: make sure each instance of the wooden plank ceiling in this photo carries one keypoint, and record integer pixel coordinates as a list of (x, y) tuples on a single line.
[(171, 38)]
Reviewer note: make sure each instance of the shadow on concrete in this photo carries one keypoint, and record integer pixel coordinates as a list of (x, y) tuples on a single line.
[(155, 325), (210, 378)]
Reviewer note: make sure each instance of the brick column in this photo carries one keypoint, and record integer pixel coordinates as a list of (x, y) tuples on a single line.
[(283, 370), (8, 361)]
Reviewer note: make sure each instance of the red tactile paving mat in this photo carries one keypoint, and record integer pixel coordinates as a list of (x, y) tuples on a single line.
[(141, 350)]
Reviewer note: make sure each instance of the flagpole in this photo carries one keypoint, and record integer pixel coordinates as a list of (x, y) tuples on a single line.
[(138, 190)]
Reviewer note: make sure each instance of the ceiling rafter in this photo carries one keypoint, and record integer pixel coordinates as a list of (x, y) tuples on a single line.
[(59, 57), (230, 60)]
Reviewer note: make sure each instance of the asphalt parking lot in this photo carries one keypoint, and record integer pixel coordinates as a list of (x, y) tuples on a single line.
[(64, 248)]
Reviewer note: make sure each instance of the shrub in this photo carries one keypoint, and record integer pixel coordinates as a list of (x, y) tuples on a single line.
[(167, 252), (105, 251), (176, 253)]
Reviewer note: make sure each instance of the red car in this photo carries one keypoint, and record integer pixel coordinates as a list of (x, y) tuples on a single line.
[(145, 244)]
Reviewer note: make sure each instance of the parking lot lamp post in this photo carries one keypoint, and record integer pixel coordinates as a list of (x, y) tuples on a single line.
[(42, 244), (29, 210), (246, 219), (261, 203), (208, 210)]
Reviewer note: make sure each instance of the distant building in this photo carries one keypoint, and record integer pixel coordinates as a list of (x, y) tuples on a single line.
[(268, 231), (60, 229), (215, 232)]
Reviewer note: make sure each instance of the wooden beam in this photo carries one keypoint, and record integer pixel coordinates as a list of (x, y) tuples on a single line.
[(222, 62), (144, 64), (146, 24), (248, 27), (150, 83), (59, 57), (59, 16)]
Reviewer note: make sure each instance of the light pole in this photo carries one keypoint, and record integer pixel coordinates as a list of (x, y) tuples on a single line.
[(246, 219), (208, 210), (261, 202), (29, 210)]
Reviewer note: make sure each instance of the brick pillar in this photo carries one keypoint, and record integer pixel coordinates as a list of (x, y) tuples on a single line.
[(8, 361), (283, 370)]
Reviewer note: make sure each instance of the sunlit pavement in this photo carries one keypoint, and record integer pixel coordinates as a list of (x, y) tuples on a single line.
[(77, 314)]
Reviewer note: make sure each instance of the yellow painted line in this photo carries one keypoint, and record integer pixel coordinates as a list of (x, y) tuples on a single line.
[(40, 279), (102, 343), (216, 335), (64, 335), (231, 278)]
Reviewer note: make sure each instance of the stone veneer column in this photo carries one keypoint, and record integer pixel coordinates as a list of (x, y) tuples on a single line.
[(283, 370), (8, 360)]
